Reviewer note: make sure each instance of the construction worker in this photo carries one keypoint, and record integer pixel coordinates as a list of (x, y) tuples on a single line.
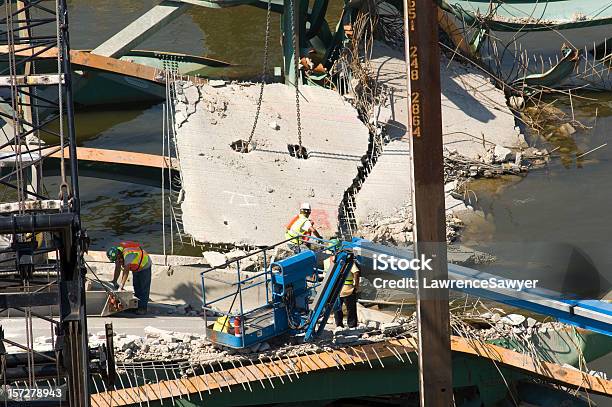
[(348, 298), (130, 256), (348, 294), (300, 225)]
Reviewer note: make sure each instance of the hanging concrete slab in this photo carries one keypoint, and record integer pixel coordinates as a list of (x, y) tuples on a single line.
[(248, 198)]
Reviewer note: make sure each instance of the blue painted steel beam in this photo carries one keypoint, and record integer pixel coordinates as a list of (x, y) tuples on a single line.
[(593, 315)]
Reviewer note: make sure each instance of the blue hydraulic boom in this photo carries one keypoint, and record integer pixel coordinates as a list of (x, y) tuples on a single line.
[(299, 302)]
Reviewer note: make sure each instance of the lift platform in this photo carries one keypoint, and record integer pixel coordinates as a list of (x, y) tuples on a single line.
[(297, 303)]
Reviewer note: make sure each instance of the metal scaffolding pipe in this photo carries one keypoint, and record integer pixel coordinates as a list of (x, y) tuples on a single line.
[(41, 371), (18, 359), (36, 223)]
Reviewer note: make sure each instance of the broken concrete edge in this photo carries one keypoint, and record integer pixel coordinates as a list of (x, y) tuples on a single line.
[(464, 161), (268, 177), (496, 160)]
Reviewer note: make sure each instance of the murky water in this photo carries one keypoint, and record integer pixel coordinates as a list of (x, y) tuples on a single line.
[(554, 224)]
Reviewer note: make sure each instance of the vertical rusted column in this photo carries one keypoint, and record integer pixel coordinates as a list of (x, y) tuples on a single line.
[(425, 123)]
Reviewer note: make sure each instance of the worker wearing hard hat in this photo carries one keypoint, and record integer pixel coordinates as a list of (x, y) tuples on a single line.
[(348, 294), (300, 225), (130, 256)]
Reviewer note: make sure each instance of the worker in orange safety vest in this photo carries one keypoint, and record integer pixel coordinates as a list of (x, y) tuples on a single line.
[(300, 225)]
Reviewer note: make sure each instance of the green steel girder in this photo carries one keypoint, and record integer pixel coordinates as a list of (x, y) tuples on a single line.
[(362, 381)]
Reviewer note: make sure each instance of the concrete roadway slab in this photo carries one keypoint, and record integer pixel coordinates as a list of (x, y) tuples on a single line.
[(249, 198), (474, 118)]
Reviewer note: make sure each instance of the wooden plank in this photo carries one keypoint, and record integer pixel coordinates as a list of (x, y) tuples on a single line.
[(100, 155), (119, 157), (25, 50), (30, 80), (333, 359), (428, 205), (117, 66)]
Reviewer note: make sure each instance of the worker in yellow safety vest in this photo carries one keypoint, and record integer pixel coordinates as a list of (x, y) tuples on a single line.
[(130, 256), (300, 225), (348, 294)]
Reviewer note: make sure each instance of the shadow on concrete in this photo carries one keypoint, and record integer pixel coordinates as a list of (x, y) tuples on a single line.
[(465, 101), (395, 130)]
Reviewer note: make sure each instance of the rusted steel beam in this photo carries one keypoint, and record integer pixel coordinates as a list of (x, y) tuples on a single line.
[(450, 28), (428, 207), (347, 356), (38, 205), (102, 63), (569, 377), (31, 80)]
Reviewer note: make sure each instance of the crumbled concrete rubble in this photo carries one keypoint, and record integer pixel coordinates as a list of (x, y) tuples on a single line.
[(247, 263), (498, 325), (164, 345), (495, 162), (159, 344), (397, 229)]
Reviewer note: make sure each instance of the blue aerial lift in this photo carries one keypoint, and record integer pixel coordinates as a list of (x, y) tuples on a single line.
[(296, 302)]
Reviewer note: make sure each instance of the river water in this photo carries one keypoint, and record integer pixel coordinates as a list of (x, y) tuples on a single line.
[(554, 224)]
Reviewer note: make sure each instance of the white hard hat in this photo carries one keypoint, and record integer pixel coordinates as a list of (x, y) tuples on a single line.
[(305, 206)]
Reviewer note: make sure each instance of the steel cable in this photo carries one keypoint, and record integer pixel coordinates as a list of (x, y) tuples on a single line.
[(245, 147)]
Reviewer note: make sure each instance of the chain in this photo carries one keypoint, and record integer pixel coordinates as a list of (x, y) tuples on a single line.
[(296, 71), (60, 101), (263, 77), (16, 110)]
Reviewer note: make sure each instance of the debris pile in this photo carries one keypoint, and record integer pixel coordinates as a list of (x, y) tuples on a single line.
[(497, 161), (397, 229), (495, 324), (514, 331), (163, 345)]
